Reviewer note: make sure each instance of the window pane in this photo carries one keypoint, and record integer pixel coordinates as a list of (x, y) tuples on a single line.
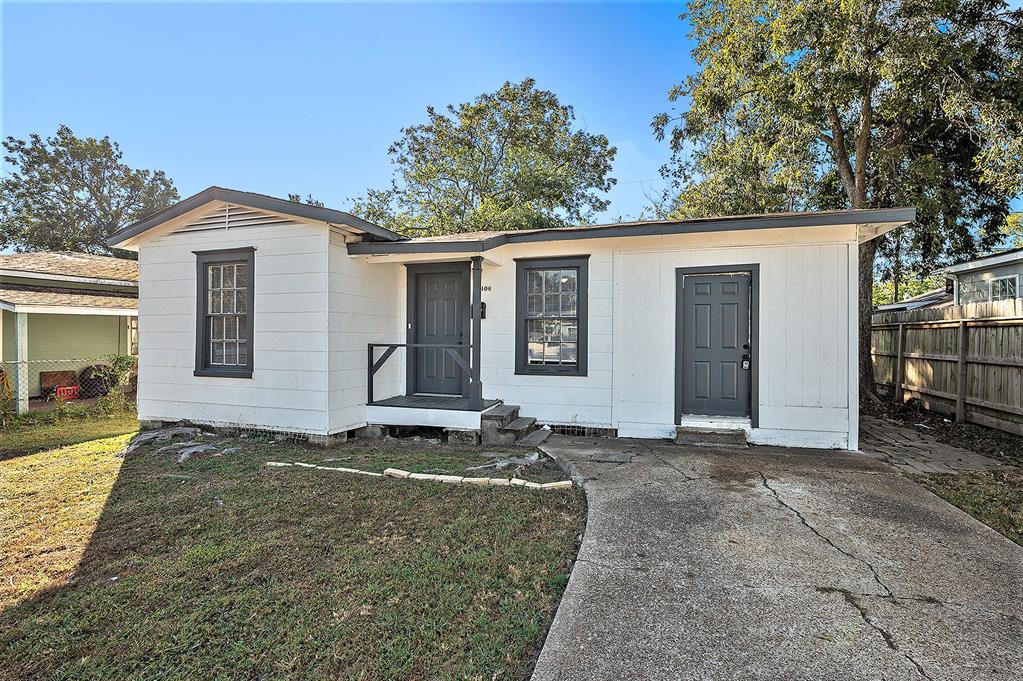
[(231, 352), (231, 327), (241, 300), (568, 304), (535, 353), (534, 306), (240, 276), (216, 328), (218, 353), (552, 353), (228, 302), (214, 276), (243, 353), (215, 302), (552, 281), (570, 331), (534, 281), (228, 276), (551, 305), (534, 330), (568, 353), (569, 280)]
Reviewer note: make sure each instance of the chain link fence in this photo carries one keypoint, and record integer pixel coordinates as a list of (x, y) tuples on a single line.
[(41, 383)]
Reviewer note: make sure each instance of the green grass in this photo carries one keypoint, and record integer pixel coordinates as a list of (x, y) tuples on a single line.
[(223, 567), (40, 431), (995, 498)]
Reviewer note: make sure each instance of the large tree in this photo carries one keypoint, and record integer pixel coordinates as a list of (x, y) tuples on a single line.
[(815, 104), (509, 159), (69, 194)]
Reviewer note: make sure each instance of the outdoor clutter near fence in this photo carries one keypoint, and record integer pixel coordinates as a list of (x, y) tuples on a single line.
[(962, 360), (40, 383)]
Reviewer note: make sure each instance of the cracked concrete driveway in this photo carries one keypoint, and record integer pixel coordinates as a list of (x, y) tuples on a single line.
[(776, 563)]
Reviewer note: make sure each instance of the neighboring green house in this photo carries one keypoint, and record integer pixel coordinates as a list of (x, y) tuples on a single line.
[(62, 312)]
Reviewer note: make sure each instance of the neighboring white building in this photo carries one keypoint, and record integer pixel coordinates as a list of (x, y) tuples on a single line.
[(987, 278), (263, 313)]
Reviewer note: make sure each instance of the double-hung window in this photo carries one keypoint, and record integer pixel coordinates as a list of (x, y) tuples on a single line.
[(223, 336), (1003, 288), (550, 325)]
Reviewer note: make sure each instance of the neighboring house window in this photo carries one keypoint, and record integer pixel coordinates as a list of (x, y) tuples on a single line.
[(1005, 287), (133, 335), (223, 334), (550, 320)]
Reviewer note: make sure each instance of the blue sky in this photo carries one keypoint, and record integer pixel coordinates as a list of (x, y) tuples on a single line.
[(279, 98)]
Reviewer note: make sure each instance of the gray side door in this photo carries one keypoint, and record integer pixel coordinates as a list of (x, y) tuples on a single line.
[(441, 317), (715, 364)]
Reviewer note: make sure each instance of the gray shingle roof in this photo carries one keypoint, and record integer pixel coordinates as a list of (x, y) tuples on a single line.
[(66, 263)]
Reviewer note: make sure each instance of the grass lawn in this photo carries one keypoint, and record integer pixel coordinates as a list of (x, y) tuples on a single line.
[(994, 498), (39, 431), (223, 567)]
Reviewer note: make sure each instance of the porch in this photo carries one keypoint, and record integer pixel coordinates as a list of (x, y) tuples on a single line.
[(441, 386)]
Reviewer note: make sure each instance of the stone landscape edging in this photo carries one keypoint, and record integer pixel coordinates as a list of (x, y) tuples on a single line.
[(449, 479)]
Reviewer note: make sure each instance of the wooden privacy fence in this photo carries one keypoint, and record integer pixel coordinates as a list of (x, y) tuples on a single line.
[(965, 360)]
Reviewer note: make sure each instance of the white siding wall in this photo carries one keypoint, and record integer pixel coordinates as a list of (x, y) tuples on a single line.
[(804, 333), (366, 306), (289, 386)]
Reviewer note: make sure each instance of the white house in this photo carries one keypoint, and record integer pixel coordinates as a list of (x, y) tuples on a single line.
[(265, 313)]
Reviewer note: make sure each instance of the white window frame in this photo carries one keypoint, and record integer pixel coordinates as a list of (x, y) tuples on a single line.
[(991, 286)]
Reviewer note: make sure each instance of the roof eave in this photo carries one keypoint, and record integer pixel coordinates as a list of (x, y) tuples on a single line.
[(889, 217), (257, 201)]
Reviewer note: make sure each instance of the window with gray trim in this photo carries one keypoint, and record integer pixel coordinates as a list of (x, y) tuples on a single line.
[(550, 324), (1003, 288), (224, 313)]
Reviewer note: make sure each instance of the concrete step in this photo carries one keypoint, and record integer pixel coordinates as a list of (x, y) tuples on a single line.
[(534, 439), (502, 413), (521, 426), (711, 437)]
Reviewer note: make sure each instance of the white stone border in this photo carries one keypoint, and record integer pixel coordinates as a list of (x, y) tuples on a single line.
[(450, 479)]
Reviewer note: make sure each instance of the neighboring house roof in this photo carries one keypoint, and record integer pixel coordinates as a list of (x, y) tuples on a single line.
[(483, 241), (984, 261), (259, 201), (935, 298), (70, 266), (42, 299)]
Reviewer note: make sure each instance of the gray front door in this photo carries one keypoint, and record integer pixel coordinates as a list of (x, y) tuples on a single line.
[(441, 318), (716, 361)]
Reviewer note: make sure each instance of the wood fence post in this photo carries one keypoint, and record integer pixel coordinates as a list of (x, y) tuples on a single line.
[(961, 372), (900, 358)]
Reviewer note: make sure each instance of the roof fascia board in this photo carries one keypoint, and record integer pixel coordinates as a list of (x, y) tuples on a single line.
[(257, 201), (894, 217), (28, 274), (982, 263), (69, 309)]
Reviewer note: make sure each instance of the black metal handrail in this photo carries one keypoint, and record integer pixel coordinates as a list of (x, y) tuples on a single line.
[(373, 364)]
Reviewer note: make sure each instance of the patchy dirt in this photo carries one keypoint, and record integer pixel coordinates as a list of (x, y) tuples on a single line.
[(999, 445)]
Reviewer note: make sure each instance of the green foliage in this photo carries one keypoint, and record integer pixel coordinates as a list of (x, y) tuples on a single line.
[(817, 104), (66, 193), (910, 285), (309, 200), (117, 372), (507, 160)]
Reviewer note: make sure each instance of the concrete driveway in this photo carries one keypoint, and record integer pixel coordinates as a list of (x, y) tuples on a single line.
[(775, 563)]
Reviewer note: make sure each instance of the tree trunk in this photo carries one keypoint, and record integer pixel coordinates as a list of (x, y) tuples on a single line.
[(866, 275)]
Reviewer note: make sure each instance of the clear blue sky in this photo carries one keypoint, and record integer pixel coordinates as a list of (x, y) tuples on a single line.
[(307, 97)]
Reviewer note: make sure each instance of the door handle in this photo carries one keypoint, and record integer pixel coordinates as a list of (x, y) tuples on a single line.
[(745, 361)]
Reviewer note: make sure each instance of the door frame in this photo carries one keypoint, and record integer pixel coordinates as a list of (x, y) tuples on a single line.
[(413, 270), (753, 269)]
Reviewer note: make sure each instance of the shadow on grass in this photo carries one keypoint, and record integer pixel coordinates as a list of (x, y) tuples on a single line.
[(223, 567)]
